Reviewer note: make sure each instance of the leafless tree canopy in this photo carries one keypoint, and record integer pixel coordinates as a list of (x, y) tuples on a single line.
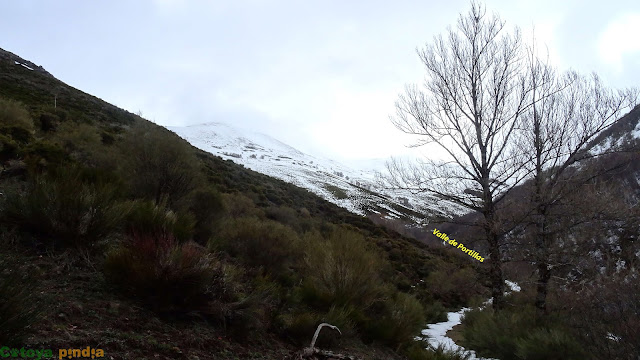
[(567, 112), (473, 96), (501, 115)]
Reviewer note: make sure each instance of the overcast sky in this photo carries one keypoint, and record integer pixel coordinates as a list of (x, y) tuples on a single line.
[(321, 76)]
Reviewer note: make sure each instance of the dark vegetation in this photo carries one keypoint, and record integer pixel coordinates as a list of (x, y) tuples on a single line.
[(140, 244)]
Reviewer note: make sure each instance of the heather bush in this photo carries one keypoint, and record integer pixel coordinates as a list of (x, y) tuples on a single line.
[(342, 269), (81, 141), (239, 318), (299, 325), (263, 244), (156, 219), (64, 209), (9, 148), (41, 155), (208, 208), (48, 121), (18, 306), (400, 322), (452, 286), (239, 206), (17, 133), (343, 318), (283, 214), (515, 334), (166, 276), (435, 312), (159, 164), (13, 113), (549, 344), (492, 334)]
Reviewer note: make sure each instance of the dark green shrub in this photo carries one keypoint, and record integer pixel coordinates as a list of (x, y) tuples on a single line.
[(208, 208), (18, 306), (454, 287), (239, 318), (18, 133), (13, 113), (435, 312), (62, 114), (283, 214), (49, 122), (302, 324), (164, 275), (549, 344), (343, 318), (81, 141), (339, 193), (299, 326), (9, 149), (147, 217), (342, 270), (494, 335), (63, 209), (515, 334), (260, 243), (41, 154), (107, 138), (239, 205), (159, 164), (401, 321)]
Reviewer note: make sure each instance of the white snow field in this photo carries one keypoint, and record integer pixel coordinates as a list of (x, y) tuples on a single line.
[(352, 189)]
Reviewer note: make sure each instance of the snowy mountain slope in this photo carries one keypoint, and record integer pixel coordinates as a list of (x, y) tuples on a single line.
[(623, 134), (349, 188)]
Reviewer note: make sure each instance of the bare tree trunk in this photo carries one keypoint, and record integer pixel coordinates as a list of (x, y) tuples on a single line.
[(542, 286), (542, 262), (495, 270)]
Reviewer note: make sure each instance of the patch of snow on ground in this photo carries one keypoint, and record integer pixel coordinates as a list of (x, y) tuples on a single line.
[(601, 148), (612, 337), (636, 131), (437, 333), (23, 65), (513, 286)]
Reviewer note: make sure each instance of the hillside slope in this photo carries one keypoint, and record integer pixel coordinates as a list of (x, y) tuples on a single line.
[(103, 232), (354, 190)]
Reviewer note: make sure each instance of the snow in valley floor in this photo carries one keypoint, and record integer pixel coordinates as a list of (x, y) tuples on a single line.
[(437, 333)]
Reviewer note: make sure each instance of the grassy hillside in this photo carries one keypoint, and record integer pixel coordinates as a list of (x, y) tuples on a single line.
[(117, 234)]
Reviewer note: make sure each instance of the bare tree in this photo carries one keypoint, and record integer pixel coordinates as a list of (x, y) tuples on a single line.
[(474, 95), (568, 111)]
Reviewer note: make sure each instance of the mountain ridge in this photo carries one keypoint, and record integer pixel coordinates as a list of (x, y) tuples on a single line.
[(352, 189)]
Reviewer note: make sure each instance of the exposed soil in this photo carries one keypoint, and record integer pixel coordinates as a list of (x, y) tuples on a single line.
[(79, 310)]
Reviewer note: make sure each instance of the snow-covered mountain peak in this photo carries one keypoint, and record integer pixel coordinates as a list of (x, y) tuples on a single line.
[(353, 189)]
